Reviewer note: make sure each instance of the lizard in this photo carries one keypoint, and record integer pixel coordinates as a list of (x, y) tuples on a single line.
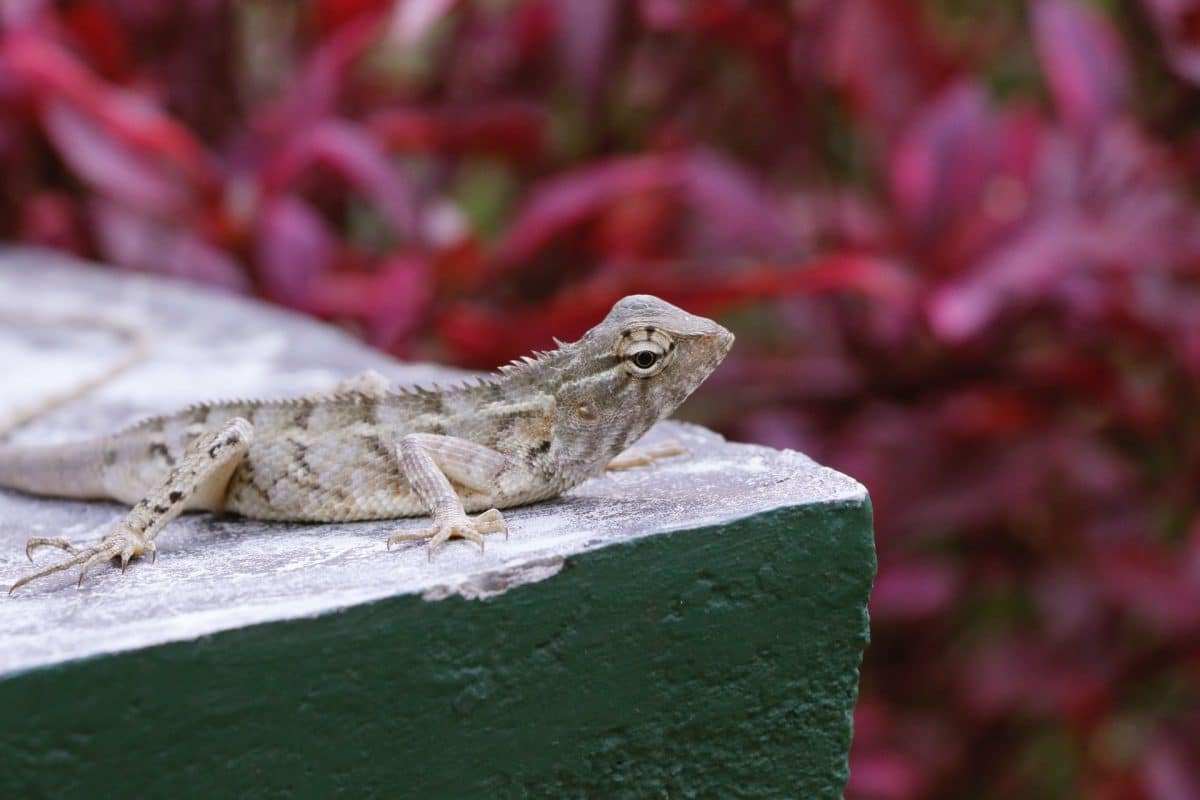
[(526, 433)]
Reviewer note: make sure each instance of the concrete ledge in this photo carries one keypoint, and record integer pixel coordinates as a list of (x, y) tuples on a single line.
[(694, 629)]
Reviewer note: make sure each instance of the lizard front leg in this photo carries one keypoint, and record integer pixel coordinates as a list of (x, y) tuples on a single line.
[(636, 457), (429, 461), (210, 457)]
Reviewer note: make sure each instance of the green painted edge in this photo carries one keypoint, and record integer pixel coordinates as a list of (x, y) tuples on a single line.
[(720, 661)]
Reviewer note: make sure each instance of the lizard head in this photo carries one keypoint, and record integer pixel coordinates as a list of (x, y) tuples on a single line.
[(633, 369)]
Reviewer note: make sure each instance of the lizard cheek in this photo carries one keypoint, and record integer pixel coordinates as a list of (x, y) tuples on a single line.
[(585, 412)]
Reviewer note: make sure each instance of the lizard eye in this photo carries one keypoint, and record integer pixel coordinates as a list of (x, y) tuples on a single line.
[(644, 359), (644, 350)]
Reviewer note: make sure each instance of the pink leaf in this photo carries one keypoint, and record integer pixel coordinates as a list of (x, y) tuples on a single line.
[(294, 247), (1029, 677), (313, 95), (109, 166), (663, 15), (734, 203), (390, 301), (879, 54), (1152, 585), (414, 18), (1028, 266), (914, 590), (561, 202), (189, 257), (585, 36), (727, 200), (348, 151), (55, 75), (1169, 770), (1176, 21), (1084, 62), (939, 167), (886, 776), (137, 241)]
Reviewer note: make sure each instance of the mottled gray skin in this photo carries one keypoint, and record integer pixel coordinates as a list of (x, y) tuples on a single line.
[(540, 426)]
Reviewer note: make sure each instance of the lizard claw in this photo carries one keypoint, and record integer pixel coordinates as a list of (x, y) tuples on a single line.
[(121, 543), (490, 521)]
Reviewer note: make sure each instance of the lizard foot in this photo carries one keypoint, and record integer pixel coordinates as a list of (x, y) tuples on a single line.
[(490, 521), (121, 543), (636, 457)]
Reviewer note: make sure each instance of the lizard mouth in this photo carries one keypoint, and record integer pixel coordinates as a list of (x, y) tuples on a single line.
[(723, 340)]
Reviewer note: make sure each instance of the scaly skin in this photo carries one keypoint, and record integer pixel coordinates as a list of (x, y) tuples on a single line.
[(535, 429)]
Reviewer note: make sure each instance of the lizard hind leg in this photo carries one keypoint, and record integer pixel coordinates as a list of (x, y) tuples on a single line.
[(212, 456)]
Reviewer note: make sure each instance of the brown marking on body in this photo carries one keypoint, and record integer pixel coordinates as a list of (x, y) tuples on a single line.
[(303, 413), (160, 449)]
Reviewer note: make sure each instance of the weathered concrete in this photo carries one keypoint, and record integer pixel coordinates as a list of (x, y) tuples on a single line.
[(689, 630)]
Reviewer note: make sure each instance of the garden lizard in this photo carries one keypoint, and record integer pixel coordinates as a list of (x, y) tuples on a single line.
[(534, 429)]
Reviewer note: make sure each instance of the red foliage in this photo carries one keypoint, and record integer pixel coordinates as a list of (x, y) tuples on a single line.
[(966, 246)]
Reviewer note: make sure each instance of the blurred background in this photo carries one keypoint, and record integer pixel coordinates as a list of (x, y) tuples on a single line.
[(958, 241)]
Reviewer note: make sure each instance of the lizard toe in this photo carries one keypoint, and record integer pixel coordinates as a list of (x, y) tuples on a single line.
[(473, 530), (491, 521), (57, 542), (122, 544)]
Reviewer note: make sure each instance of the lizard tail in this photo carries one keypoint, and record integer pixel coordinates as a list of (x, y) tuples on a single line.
[(72, 469), (137, 346)]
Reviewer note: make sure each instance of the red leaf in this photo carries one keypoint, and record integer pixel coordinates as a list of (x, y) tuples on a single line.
[(329, 15), (51, 219), (98, 31), (130, 119), (513, 129), (1083, 60)]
